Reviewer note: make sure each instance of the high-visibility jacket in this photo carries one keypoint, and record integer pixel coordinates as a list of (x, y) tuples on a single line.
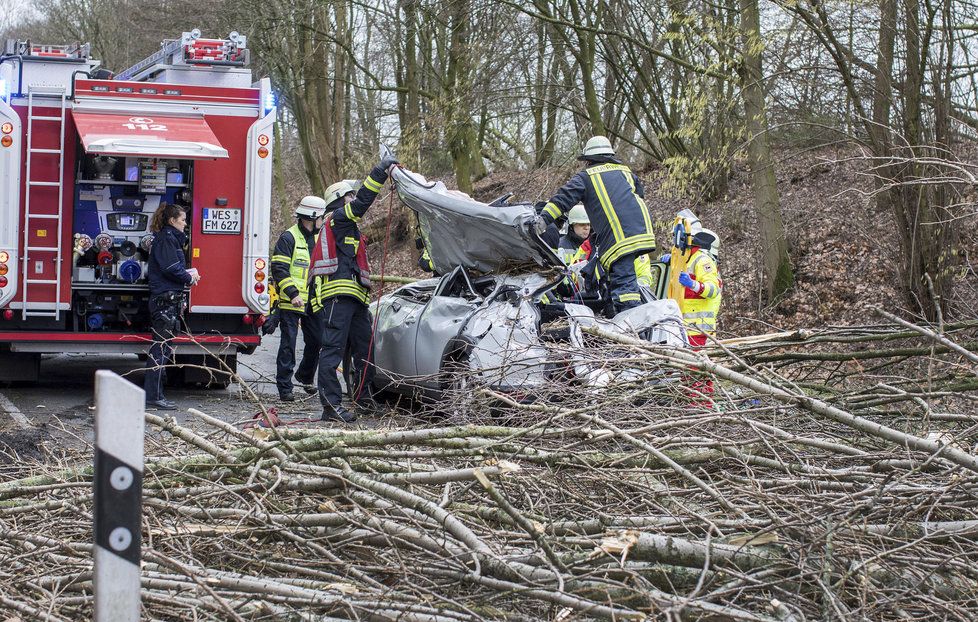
[(614, 200), (290, 268), (425, 263), (643, 265), (339, 261), (700, 309)]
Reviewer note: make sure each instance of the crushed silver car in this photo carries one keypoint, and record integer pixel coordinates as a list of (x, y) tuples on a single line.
[(490, 314)]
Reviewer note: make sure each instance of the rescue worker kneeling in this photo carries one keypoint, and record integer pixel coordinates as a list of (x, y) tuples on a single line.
[(340, 292), (290, 267)]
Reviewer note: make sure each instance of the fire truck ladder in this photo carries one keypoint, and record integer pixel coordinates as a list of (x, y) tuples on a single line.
[(32, 216), (142, 70)]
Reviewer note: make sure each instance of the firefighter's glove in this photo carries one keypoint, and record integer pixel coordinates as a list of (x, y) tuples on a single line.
[(540, 225), (387, 162), (271, 323), (666, 258), (687, 281)]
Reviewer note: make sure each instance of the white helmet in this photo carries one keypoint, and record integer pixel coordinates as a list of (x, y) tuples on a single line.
[(578, 216), (337, 191), (597, 146), (311, 207), (708, 241)]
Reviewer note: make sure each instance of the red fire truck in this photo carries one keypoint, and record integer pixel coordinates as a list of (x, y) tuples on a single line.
[(86, 157)]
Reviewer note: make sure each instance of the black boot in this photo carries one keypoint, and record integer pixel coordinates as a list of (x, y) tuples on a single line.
[(307, 385), (337, 413), (366, 404)]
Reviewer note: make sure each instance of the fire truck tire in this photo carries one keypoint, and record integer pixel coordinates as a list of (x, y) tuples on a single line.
[(206, 371), (20, 367)]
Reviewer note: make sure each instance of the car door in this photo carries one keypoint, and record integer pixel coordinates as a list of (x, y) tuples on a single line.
[(442, 319), (397, 329)]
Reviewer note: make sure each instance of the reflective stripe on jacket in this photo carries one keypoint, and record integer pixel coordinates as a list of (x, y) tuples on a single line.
[(613, 199), (339, 260), (643, 264), (298, 269), (700, 310), (326, 260)]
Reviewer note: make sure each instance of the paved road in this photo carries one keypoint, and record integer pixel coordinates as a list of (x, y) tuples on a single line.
[(61, 403)]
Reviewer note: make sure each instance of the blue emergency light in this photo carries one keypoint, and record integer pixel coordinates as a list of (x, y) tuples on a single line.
[(269, 101)]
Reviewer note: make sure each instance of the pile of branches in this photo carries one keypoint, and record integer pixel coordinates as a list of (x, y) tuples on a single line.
[(832, 475)]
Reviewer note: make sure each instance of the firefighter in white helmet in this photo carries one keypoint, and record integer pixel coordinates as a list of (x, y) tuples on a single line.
[(290, 270), (578, 230), (613, 200), (340, 276)]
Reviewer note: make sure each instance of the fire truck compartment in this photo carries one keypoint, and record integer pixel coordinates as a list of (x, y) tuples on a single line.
[(159, 136), (115, 198)]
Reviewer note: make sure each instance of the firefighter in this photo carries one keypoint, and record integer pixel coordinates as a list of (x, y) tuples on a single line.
[(424, 261), (168, 276), (587, 271), (613, 199), (341, 277), (290, 269), (578, 230)]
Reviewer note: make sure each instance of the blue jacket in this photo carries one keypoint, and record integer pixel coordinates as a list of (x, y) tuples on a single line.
[(167, 262), (614, 200)]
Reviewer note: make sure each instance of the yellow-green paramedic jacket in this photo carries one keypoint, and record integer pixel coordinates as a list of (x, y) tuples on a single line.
[(700, 309), (291, 270)]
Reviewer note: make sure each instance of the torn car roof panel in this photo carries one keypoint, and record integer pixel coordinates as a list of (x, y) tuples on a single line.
[(460, 231)]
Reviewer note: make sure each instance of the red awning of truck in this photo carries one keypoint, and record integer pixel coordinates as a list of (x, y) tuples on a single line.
[(150, 136)]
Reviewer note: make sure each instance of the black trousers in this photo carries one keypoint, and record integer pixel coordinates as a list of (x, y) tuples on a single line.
[(346, 323), (165, 310), (289, 323), (623, 283)]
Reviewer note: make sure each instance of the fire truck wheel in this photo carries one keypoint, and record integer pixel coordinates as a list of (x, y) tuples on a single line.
[(208, 371), (19, 368)]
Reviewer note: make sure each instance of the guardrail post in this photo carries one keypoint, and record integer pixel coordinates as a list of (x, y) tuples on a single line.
[(119, 425)]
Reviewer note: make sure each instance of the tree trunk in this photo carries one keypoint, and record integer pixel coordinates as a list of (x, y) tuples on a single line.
[(778, 275), (411, 123), (461, 133), (585, 58)]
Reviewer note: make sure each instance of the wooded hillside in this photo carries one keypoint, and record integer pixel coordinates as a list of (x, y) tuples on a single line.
[(695, 90)]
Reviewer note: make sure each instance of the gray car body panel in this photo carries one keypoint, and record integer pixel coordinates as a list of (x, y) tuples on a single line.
[(460, 231)]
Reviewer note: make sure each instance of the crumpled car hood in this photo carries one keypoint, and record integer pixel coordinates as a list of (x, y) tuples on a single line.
[(659, 322), (460, 231)]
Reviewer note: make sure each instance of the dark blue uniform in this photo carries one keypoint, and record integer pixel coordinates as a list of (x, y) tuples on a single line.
[(168, 277), (614, 200), (291, 320), (341, 299)]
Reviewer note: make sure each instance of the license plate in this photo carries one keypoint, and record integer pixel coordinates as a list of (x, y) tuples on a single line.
[(221, 220)]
